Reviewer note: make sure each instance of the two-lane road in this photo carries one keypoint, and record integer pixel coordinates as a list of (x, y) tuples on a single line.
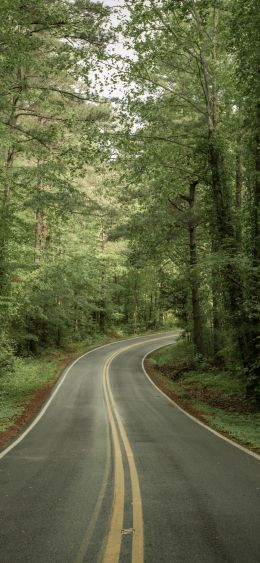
[(113, 472)]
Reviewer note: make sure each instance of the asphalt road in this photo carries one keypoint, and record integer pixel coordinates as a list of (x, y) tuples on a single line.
[(114, 472)]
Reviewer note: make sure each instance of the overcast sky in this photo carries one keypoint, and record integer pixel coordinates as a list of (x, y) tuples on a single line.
[(108, 87)]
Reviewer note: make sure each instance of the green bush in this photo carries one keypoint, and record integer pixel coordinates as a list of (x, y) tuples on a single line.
[(7, 359)]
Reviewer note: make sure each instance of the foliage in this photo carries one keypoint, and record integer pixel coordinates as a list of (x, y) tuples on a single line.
[(189, 149), (131, 213), (7, 360)]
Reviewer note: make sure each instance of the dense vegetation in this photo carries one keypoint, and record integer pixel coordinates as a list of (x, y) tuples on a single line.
[(131, 212)]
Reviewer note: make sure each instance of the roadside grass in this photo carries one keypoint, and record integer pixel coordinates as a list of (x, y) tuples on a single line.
[(16, 388), (244, 428), (176, 355), (216, 396)]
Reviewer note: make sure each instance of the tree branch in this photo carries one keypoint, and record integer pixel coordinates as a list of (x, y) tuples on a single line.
[(26, 133), (66, 93), (184, 197), (34, 114), (166, 139), (174, 204)]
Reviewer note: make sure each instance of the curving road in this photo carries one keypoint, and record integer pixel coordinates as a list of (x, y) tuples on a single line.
[(112, 471)]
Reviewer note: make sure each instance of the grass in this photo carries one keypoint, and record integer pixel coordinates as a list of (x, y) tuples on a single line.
[(175, 354), (29, 376), (245, 428), (217, 395)]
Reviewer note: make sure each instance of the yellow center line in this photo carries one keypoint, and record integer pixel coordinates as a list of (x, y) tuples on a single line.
[(113, 546), (138, 535)]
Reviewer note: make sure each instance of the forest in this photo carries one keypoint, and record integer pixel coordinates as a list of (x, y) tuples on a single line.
[(130, 176)]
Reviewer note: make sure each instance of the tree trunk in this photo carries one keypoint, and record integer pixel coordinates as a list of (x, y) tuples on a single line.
[(39, 234), (226, 238), (238, 196), (5, 221), (195, 297), (102, 316), (225, 232), (253, 389), (102, 302), (5, 211), (256, 216), (217, 299)]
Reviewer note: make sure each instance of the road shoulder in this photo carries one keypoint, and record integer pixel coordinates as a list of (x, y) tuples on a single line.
[(166, 386)]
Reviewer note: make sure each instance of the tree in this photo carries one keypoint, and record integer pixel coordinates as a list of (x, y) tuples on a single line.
[(46, 126), (183, 65)]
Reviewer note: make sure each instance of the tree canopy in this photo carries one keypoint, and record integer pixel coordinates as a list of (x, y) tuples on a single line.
[(130, 212)]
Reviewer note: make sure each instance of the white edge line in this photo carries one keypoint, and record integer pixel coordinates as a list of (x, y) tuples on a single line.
[(56, 389), (253, 454)]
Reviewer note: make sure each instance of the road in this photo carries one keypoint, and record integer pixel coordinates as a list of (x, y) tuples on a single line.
[(114, 472)]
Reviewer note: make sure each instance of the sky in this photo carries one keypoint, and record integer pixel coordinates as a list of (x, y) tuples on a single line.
[(110, 84)]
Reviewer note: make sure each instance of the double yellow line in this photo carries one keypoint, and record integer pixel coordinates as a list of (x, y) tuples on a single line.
[(113, 546), (113, 543)]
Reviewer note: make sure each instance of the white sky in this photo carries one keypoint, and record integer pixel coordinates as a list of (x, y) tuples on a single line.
[(109, 84)]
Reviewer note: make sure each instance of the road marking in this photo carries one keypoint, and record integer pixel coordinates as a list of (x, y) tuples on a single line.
[(138, 526), (112, 552), (57, 387), (113, 546), (245, 450), (127, 531), (94, 518)]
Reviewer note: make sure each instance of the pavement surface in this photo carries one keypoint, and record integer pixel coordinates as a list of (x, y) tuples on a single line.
[(113, 472)]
